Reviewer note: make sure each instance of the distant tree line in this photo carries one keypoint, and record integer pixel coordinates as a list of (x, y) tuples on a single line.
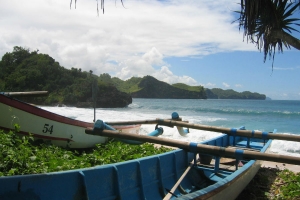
[(149, 87), (217, 93), (25, 70)]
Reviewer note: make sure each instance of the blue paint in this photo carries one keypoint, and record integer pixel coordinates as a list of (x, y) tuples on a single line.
[(154, 133), (239, 154), (252, 133), (265, 135), (233, 131), (175, 115), (193, 146)]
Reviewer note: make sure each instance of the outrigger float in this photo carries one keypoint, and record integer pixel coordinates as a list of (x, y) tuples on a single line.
[(218, 168)]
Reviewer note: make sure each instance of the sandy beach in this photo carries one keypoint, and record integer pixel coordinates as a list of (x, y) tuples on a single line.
[(281, 166)]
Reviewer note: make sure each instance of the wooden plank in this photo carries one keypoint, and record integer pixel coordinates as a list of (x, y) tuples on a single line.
[(171, 192)]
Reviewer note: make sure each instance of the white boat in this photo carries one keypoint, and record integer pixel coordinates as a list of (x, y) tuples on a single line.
[(50, 127)]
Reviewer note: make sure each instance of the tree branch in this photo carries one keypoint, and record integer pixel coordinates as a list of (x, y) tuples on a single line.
[(285, 37)]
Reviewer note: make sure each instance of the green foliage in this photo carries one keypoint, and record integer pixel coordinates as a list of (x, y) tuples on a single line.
[(129, 86), (22, 155), (287, 185), (199, 88), (187, 87), (260, 19), (217, 93), (22, 70)]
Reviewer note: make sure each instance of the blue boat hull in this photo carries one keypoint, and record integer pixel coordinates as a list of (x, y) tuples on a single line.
[(146, 178)]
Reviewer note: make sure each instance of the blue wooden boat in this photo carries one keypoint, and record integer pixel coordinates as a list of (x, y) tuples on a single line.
[(219, 168)]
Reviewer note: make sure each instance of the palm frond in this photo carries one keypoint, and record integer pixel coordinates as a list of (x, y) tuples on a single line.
[(260, 18)]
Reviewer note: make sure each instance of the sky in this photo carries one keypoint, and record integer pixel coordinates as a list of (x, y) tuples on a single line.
[(176, 41)]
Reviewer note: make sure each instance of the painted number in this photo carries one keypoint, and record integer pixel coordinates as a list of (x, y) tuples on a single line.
[(48, 128)]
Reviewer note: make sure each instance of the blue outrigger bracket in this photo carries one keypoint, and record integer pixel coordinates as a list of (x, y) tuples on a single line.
[(100, 126), (183, 132)]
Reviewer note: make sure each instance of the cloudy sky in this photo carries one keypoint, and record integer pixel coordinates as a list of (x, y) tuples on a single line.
[(187, 41)]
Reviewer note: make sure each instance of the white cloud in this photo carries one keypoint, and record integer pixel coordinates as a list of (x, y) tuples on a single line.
[(153, 57), (238, 86), (286, 68), (125, 42), (209, 85), (226, 85), (164, 74)]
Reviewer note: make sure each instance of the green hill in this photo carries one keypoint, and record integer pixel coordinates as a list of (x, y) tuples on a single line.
[(23, 70), (149, 87), (217, 93)]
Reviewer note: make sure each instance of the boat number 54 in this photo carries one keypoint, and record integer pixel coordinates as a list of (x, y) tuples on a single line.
[(48, 128)]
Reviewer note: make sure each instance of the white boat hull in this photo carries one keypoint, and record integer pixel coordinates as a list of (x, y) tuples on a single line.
[(50, 127)]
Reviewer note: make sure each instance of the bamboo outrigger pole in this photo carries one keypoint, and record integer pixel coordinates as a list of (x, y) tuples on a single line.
[(195, 147), (32, 93), (230, 131)]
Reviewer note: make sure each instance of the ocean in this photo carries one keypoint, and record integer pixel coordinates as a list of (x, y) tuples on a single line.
[(282, 115)]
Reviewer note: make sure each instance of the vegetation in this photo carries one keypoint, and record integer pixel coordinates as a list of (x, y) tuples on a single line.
[(129, 86), (25, 70), (149, 87), (269, 23), (189, 88), (272, 183), (217, 93), (21, 155)]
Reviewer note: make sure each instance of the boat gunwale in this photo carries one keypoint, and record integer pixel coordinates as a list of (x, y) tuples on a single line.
[(23, 106), (212, 190)]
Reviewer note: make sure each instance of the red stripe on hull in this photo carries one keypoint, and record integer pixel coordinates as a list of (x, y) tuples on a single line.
[(42, 113)]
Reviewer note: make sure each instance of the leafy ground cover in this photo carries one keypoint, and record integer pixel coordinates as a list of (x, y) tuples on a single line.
[(21, 155), (272, 183)]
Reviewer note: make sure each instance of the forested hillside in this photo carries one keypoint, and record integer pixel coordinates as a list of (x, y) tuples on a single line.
[(149, 87), (217, 93), (25, 70)]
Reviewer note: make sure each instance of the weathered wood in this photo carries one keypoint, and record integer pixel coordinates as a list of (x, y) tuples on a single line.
[(169, 195), (32, 93), (230, 131), (201, 148)]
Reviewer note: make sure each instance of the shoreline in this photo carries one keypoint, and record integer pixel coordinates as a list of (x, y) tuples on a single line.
[(281, 166)]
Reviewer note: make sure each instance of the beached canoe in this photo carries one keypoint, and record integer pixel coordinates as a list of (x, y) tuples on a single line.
[(48, 126), (219, 168)]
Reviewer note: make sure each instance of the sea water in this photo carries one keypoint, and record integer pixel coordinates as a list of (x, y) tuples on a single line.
[(253, 114)]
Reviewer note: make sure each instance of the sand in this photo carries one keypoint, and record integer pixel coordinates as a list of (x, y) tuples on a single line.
[(281, 166)]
